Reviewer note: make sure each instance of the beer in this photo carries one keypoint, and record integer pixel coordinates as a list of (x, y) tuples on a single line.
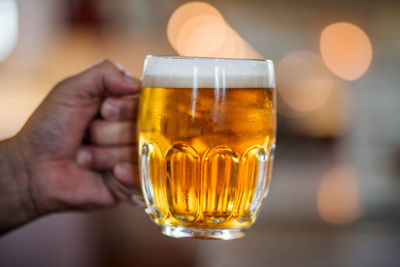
[(205, 152)]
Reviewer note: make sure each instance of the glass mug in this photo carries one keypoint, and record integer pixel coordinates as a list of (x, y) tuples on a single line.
[(206, 139)]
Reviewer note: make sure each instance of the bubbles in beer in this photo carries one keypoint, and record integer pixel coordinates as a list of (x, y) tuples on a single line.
[(219, 183), (182, 169), (211, 124), (254, 164), (214, 175)]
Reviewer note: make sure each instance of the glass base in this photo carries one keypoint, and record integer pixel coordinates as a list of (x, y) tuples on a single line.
[(198, 233)]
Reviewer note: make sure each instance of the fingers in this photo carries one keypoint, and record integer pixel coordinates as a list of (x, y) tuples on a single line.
[(75, 101), (125, 108), (105, 158), (108, 133), (87, 191), (122, 160), (127, 174)]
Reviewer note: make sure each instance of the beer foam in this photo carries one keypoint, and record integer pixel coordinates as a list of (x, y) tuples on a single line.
[(190, 72)]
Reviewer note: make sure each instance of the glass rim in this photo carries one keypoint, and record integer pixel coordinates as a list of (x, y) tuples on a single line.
[(269, 61)]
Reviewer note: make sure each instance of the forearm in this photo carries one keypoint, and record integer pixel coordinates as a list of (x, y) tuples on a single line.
[(16, 204)]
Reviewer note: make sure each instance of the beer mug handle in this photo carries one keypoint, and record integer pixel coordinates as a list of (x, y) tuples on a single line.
[(129, 195)]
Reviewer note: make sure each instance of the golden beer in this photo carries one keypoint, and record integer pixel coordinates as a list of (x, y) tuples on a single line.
[(205, 156)]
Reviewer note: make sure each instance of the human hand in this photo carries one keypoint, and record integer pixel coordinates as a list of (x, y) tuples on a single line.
[(64, 172)]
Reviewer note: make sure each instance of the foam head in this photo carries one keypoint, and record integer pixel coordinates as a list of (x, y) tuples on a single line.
[(190, 72)]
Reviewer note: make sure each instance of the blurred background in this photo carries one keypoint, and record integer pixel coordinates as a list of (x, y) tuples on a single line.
[(335, 194)]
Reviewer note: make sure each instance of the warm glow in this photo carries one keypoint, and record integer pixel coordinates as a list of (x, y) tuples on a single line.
[(346, 50), (8, 27), (199, 29), (330, 120), (303, 81), (18, 99), (201, 36), (338, 196), (185, 13)]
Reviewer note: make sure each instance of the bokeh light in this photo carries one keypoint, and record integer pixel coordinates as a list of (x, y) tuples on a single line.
[(198, 29), (330, 120), (201, 36), (183, 14), (8, 27), (346, 50), (303, 81), (338, 198)]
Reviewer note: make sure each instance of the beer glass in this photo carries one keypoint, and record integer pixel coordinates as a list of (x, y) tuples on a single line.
[(206, 133)]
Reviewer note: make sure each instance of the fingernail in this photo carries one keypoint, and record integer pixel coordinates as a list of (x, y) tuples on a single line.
[(84, 157), (120, 169), (110, 110), (123, 172)]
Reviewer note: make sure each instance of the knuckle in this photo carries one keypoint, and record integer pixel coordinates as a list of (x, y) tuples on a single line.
[(65, 83), (106, 64)]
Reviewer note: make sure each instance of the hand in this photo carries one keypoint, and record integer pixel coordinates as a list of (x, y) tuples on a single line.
[(56, 169)]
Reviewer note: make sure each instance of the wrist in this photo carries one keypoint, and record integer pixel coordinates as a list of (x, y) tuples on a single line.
[(17, 205)]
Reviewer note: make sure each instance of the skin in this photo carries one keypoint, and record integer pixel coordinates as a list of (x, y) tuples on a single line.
[(82, 131)]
